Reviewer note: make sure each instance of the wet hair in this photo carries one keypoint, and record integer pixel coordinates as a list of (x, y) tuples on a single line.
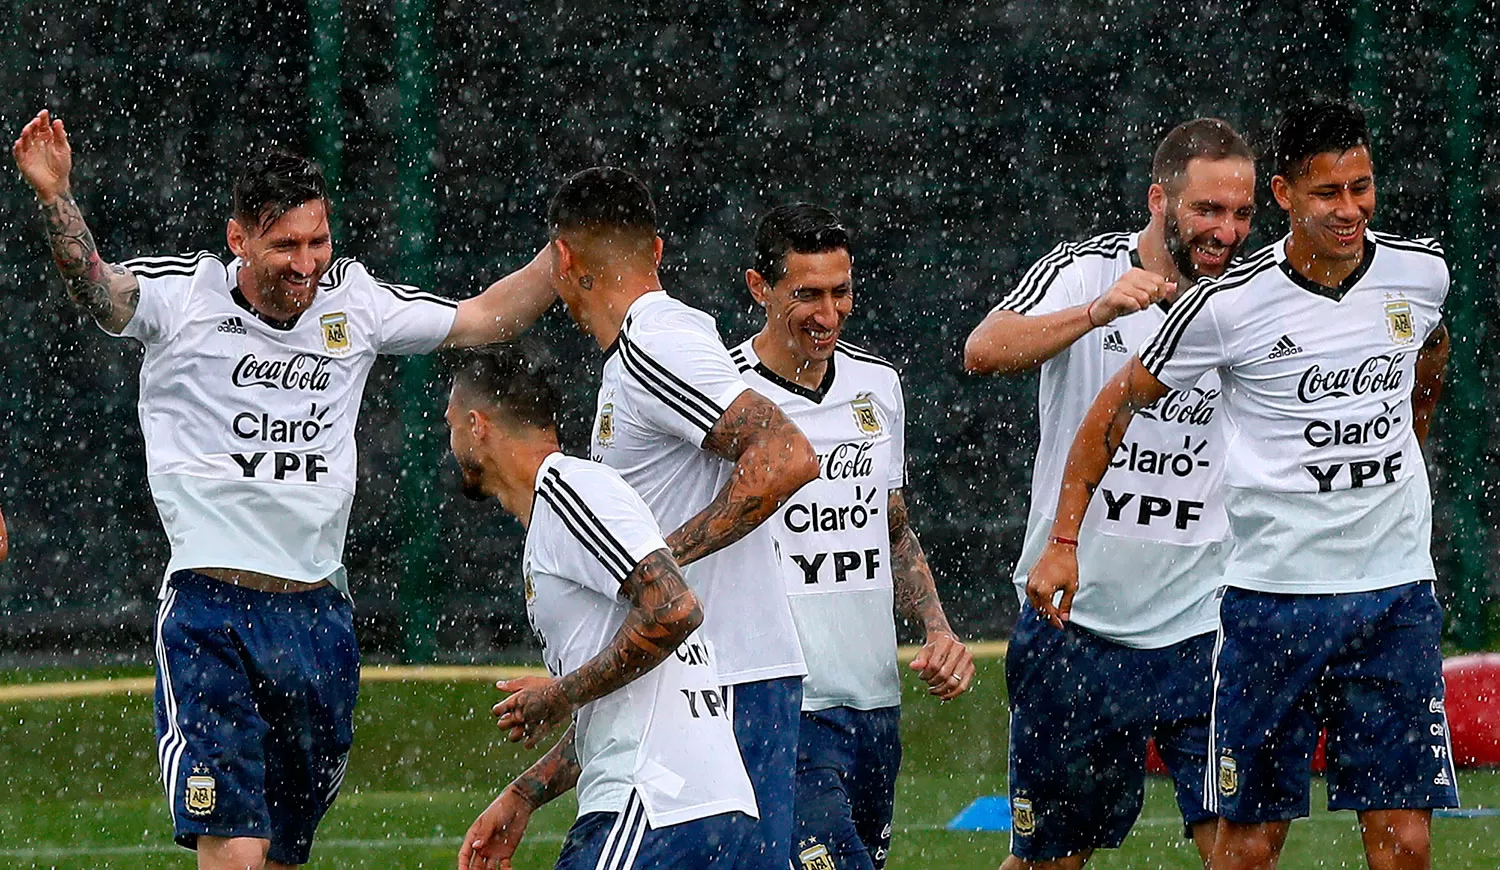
[(602, 198), (1315, 127), (801, 228), (513, 383), (273, 184), (1205, 138)]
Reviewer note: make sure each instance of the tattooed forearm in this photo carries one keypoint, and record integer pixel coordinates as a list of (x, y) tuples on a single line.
[(108, 293), (916, 593), (772, 460), (663, 613), (553, 774)]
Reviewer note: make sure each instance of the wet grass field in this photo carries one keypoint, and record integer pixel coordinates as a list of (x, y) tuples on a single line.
[(79, 788)]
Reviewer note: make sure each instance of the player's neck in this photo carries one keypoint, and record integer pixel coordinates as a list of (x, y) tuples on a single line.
[(518, 466), (1327, 271), (607, 315), (1152, 247), (787, 363)]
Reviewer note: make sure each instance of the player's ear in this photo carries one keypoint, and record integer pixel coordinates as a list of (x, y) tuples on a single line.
[(658, 247), (758, 287), (1281, 188), (1156, 200), (235, 234)]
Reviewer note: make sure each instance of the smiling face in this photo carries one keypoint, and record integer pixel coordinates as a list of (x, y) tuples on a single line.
[(1207, 218), (1330, 202), (282, 263), (806, 309)]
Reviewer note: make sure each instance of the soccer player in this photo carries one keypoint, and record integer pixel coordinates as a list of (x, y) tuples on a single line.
[(249, 392), (711, 457), (1133, 662), (1330, 346), (844, 565), (650, 744)]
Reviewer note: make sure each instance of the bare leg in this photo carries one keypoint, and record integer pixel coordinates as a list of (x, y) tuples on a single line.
[(1203, 838), (1248, 847), (1397, 839), (1072, 862), (232, 853)]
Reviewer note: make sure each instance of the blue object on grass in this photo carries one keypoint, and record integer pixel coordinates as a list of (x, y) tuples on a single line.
[(1467, 813), (989, 813)]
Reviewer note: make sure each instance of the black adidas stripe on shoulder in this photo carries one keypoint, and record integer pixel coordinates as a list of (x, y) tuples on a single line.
[(161, 267), (585, 525), (741, 362), (334, 277), (1035, 283), (408, 293), (859, 354), (1418, 246), (671, 390), (1161, 347)]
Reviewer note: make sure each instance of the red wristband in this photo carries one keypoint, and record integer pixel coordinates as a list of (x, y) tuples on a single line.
[(1089, 313), (1066, 542)]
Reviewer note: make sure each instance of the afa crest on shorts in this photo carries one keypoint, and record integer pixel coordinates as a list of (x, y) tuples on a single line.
[(1229, 776), (815, 856), (335, 333), (1398, 321), (201, 797), (1022, 818), (864, 414)]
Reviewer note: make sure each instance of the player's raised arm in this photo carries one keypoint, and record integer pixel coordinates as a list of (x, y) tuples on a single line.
[(1099, 435), (109, 293), (772, 459), (507, 307), (1432, 364), (944, 663), (1007, 341), (492, 840), (663, 613)]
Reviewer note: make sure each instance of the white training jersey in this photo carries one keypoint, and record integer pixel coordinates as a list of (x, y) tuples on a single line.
[(667, 735), (832, 537), (1326, 487), (667, 380), (1152, 545), (249, 424)]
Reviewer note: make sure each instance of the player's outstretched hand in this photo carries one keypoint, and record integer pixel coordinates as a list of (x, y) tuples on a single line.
[(1056, 570), (1136, 290), (536, 706), (494, 836), (945, 665), (44, 156)]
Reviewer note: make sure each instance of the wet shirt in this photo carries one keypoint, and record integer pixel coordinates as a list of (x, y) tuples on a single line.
[(667, 380), (832, 537), (667, 735), (249, 424), (1327, 490), (1151, 548)]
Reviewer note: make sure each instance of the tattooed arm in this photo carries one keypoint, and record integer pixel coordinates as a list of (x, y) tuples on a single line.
[(494, 836), (109, 293), (663, 613), (772, 459), (943, 663), (1099, 435)]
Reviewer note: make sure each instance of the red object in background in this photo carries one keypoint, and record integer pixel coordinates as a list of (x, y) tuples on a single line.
[(1473, 702), (1154, 763)]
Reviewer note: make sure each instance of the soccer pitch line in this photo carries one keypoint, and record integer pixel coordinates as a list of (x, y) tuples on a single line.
[(69, 689)]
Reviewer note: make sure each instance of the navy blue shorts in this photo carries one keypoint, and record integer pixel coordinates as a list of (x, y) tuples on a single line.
[(255, 700), (616, 841), (1365, 665), (766, 715), (1082, 708), (847, 761)]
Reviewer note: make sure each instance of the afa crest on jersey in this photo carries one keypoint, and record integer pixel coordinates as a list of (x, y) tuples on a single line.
[(1229, 776), (530, 587), (335, 333), (1398, 321), (201, 797), (864, 414), (815, 857), (607, 424), (1022, 819)]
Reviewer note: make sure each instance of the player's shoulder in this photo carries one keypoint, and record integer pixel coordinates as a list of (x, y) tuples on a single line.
[(585, 477), (667, 330), (1420, 246), (856, 358), (741, 354), (1256, 268), (1105, 246), (349, 275), (176, 265), (1410, 256)]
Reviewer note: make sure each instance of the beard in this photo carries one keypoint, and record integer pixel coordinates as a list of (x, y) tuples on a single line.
[(1180, 249), (471, 481)]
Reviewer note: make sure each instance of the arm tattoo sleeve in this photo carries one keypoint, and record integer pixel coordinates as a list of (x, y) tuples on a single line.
[(916, 593), (92, 283), (663, 613), (553, 774)]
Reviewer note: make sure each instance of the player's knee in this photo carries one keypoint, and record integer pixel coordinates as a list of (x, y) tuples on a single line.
[(1071, 862), (1402, 835), (1246, 846), (232, 853)]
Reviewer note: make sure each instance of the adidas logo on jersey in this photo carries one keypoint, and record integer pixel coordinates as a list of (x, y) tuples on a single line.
[(1114, 342), (1284, 347), (234, 325)]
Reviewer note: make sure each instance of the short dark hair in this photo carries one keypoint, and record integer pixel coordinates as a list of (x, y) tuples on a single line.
[(800, 227), (1206, 138), (273, 184), (1315, 127), (512, 382), (602, 198)]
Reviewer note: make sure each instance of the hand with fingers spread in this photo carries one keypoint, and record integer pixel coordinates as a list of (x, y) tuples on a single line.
[(1136, 290), (945, 665), (492, 840), (1056, 570), (535, 707), (44, 157)]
